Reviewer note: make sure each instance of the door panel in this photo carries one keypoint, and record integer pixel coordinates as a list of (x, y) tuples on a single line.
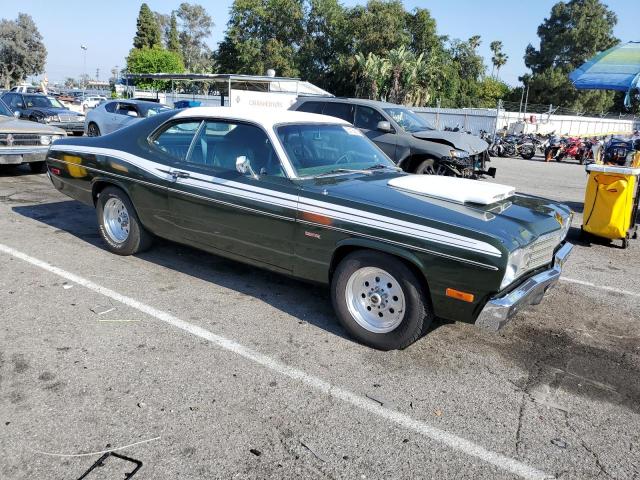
[(217, 208), (367, 120)]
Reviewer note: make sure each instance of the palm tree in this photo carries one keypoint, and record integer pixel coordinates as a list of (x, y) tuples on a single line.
[(499, 58), (373, 70), (399, 58)]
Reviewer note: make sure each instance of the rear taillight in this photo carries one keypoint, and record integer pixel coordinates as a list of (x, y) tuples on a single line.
[(55, 171)]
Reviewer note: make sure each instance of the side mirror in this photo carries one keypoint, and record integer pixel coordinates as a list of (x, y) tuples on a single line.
[(132, 113), (16, 114), (243, 166), (384, 127)]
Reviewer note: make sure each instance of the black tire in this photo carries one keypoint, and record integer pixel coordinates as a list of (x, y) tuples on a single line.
[(426, 167), (93, 130), (418, 312), (38, 167), (138, 239), (431, 167), (527, 153)]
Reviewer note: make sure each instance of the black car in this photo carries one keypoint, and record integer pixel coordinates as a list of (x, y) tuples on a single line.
[(45, 109), (406, 137)]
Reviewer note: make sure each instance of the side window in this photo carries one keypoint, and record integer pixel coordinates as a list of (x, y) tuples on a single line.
[(340, 110), (111, 107), (220, 143), (126, 108), (367, 118), (176, 139), (13, 100), (311, 107)]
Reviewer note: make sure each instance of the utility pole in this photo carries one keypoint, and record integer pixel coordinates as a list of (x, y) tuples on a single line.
[(84, 70)]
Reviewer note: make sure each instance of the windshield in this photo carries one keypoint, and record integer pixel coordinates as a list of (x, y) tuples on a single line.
[(324, 149), (40, 101), (4, 110), (408, 120), (153, 109)]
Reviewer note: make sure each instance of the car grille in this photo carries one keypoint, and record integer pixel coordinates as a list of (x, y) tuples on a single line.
[(18, 139), (541, 251), (68, 118)]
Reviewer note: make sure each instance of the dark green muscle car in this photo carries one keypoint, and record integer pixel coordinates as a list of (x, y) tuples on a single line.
[(310, 196)]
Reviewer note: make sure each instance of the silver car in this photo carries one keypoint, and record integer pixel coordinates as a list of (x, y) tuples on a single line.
[(111, 116), (22, 141)]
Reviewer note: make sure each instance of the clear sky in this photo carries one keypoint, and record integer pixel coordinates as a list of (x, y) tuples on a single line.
[(107, 29)]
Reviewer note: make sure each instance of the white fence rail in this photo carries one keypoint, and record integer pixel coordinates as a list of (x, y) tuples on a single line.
[(475, 120)]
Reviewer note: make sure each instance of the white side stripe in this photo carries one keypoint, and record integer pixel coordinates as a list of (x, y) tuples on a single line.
[(324, 387), (334, 211)]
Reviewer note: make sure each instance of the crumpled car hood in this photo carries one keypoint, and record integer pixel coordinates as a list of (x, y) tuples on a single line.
[(458, 140)]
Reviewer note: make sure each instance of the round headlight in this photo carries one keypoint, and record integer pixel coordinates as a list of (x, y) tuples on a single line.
[(45, 139)]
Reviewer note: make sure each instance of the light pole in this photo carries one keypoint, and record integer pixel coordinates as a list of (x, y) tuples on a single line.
[(84, 71)]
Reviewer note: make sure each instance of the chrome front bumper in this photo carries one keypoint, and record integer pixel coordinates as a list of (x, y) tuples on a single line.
[(26, 154), (499, 310)]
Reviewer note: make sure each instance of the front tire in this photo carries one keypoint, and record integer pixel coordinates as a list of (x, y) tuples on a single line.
[(379, 300), (119, 225), (93, 130)]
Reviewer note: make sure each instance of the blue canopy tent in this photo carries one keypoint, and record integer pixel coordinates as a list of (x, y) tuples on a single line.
[(615, 69)]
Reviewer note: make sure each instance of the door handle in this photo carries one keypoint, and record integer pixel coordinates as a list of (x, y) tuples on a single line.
[(179, 174)]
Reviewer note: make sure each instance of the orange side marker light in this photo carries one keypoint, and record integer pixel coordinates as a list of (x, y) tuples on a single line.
[(458, 295)]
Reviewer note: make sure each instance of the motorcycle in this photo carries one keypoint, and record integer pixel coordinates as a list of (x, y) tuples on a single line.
[(554, 148)]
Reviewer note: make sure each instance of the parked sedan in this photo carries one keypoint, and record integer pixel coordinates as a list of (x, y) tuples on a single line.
[(24, 142), (111, 116), (45, 109), (312, 197)]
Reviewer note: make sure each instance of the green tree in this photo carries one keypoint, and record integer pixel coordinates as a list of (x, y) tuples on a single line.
[(422, 28), (154, 60), (468, 67), (373, 74), (490, 90), (574, 32), (22, 52), (325, 48), (260, 37), (148, 29), (173, 42), (378, 27), (194, 27)]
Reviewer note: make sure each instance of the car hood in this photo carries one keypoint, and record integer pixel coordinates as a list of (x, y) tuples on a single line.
[(457, 140), (515, 221), (13, 125), (56, 111)]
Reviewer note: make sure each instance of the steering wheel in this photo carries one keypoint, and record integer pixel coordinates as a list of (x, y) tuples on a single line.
[(344, 158)]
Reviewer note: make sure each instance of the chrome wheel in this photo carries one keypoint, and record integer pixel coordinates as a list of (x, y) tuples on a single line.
[(375, 300), (116, 220)]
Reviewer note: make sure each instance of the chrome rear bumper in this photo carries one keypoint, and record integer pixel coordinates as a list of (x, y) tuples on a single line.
[(499, 310)]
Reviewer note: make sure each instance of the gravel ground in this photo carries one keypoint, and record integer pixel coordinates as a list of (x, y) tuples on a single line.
[(204, 368)]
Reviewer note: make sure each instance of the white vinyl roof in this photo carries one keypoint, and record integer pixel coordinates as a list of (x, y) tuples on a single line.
[(265, 117)]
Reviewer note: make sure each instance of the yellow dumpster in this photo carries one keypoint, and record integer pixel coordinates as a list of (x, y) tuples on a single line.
[(611, 202)]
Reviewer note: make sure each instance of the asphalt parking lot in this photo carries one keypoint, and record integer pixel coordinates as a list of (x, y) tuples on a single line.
[(200, 367)]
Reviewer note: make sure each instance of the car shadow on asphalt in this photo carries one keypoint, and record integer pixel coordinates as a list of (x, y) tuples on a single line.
[(558, 360), (304, 301)]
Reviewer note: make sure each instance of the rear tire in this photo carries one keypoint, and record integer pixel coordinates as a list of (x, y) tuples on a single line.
[(38, 167), (119, 225), (395, 310)]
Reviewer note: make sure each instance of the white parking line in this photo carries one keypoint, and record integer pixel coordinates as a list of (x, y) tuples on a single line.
[(451, 440), (600, 287)]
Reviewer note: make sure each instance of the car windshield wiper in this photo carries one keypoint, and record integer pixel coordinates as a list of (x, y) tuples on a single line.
[(343, 170)]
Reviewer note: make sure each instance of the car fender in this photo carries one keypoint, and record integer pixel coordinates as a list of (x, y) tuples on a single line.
[(349, 244)]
